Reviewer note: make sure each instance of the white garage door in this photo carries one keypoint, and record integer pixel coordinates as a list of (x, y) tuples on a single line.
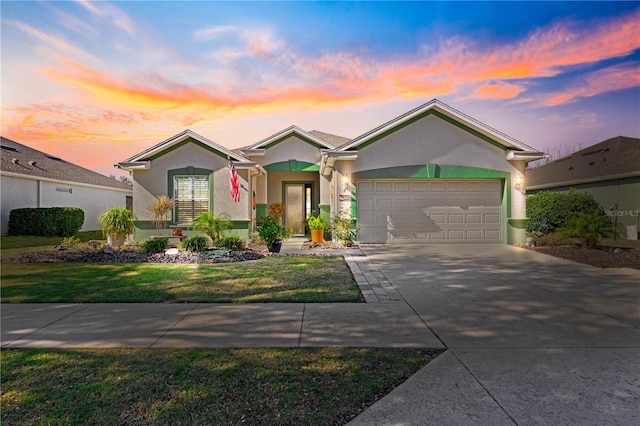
[(432, 210)]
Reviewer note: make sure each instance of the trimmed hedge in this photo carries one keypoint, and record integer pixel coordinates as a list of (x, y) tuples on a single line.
[(548, 211), (46, 221)]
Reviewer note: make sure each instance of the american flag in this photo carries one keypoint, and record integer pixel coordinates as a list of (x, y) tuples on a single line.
[(233, 182)]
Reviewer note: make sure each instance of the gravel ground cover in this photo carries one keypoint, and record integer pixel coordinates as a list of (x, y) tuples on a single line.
[(601, 258)]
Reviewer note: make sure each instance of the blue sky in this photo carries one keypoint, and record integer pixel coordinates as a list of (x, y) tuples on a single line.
[(96, 82)]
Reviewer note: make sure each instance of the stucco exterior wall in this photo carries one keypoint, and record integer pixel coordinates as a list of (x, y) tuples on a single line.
[(25, 192), (156, 181), (434, 141)]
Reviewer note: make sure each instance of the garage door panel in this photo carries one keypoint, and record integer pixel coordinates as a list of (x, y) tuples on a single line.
[(430, 210)]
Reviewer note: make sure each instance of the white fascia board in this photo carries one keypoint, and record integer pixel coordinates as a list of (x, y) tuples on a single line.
[(291, 130), (135, 165), (245, 165), (259, 152), (522, 155), (67, 182)]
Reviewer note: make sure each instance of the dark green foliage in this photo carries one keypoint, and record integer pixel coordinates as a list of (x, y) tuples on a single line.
[(155, 245), (589, 228), (195, 244), (231, 242), (548, 211), (46, 222)]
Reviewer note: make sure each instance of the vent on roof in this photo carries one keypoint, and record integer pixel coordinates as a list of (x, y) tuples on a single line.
[(592, 152), (8, 148), (54, 158), (607, 150), (592, 163), (14, 160), (571, 168), (32, 163)]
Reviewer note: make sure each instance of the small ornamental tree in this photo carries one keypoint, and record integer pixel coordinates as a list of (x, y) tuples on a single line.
[(589, 228)]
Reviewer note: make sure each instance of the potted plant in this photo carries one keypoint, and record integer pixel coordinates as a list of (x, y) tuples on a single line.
[(317, 225), (116, 224), (272, 232)]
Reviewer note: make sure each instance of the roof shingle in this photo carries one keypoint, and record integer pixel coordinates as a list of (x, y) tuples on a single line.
[(18, 158)]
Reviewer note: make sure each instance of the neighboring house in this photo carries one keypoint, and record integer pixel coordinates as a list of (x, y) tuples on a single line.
[(31, 178), (430, 175), (609, 171)]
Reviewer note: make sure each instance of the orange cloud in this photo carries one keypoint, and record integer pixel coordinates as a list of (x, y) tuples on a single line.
[(497, 91)]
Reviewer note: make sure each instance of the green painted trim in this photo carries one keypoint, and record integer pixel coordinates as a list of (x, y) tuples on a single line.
[(185, 142), (431, 171), (189, 171), (299, 136), (517, 223), (292, 166), (261, 211), (439, 115), (354, 201)]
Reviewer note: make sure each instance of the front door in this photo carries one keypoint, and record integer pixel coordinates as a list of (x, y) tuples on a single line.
[(298, 206)]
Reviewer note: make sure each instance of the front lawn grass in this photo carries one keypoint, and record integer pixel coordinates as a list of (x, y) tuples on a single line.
[(12, 245), (272, 279), (271, 386)]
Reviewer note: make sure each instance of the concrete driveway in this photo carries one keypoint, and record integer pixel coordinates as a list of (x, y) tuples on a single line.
[(531, 339)]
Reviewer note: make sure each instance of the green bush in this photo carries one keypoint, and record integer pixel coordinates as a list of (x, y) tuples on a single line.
[(589, 228), (195, 244), (549, 211), (231, 242), (70, 242), (46, 222), (343, 228), (156, 245)]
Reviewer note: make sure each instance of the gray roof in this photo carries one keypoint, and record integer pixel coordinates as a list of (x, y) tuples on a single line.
[(614, 158), (18, 158), (334, 140)]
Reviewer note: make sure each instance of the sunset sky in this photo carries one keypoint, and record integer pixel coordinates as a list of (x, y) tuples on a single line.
[(96, 82)]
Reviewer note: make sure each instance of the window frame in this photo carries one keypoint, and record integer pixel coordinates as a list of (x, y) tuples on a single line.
[(189, 172)]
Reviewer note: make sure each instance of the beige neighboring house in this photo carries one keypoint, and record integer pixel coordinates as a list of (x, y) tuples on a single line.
[(430, 175), (609, 171), (31, 178)]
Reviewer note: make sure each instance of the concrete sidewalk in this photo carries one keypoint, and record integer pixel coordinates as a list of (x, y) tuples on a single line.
[(180, 325)]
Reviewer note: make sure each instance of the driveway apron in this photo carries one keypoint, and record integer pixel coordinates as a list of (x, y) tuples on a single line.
[(532, 338)]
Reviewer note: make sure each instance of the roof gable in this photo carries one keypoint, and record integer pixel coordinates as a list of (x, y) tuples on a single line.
[(446, 113), (21, 159), (308, 137), (181, 139)]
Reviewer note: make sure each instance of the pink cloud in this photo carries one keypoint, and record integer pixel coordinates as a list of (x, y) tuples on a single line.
[(617, 77)]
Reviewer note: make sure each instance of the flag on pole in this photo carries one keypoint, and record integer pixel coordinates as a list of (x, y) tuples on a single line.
[(233, 182)]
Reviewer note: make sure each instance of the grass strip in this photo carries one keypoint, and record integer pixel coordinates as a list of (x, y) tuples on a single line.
[(273, 279), (272, 386)]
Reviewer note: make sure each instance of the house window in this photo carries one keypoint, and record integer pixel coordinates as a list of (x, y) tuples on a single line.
[(191, 197)]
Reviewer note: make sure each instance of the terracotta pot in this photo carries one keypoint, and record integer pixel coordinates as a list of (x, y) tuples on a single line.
[(317, 235)]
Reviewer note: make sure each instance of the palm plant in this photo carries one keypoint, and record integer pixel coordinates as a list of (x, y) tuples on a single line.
[(160, 207), (213, 226)]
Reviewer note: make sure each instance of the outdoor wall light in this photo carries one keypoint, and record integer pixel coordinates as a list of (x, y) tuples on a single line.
[(519, 185)]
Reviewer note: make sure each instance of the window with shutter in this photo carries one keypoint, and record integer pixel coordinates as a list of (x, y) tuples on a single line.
[(191, 197)]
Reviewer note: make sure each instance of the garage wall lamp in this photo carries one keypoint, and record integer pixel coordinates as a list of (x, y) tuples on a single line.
[(519, 185), (347, 184)]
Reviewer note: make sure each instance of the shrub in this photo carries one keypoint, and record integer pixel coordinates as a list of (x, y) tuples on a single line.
[(116, 221), (70, 242), (46, 222), (548, 211), (589, 228), (156, 245), (343, 229), (231, 242), (195, 244), (271, 229)]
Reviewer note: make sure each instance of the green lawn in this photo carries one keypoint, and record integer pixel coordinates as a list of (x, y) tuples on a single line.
[(312, 386), (272, 279), (11, 245)]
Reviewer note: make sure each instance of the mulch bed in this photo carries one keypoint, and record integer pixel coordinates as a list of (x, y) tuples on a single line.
[(83, 255), (594, 257)]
